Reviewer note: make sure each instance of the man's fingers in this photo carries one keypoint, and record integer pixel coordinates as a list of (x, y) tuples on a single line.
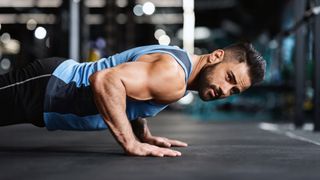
[(169, 152), (177, 143), (162, 143), (157, 154), (165, 142), (158, 141), (160, 152), (145, 149)]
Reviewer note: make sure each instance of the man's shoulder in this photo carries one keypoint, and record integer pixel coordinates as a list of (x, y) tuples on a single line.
[(168, 64), (170, 82)]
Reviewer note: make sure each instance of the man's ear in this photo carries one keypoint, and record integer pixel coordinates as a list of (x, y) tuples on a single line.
[(216, 56)]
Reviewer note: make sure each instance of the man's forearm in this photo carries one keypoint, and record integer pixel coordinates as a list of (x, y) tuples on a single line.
[(109, 96)]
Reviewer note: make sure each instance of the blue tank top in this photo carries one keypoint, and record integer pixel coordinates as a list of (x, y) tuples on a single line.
[(69, 103)]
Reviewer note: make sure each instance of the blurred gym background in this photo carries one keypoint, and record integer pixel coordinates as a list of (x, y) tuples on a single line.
[(285, 32)]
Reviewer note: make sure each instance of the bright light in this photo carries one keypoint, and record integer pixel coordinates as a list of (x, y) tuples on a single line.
[(137, 10), (40, 33), (122, 3), (148, 8), (31, 24), (164, 40), (158, 33), (12, 46), (188, 4), (5, 38), (5, 64), (187, 99), (201, 33), (0, 26)]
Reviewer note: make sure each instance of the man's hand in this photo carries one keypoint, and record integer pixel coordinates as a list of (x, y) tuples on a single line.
[(142, 131), (144, 149), (164, 142)]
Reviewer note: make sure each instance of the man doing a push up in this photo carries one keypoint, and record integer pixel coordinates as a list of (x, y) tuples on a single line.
[(120, 91)]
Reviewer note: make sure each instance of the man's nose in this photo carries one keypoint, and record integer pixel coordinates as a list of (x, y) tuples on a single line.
[(226, 89)]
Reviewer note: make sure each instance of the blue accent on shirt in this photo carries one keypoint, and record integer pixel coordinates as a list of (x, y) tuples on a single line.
[(69, 103)]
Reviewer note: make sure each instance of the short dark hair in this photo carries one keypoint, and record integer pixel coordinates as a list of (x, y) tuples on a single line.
[(245, 52)]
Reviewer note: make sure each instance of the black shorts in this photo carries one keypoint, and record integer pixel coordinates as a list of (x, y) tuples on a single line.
[(22, 92)]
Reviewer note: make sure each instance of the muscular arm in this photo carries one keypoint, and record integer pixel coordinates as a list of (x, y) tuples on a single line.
[(110, 88), (109, 96)]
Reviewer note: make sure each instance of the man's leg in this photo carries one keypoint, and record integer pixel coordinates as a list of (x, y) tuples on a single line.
[(8, 114), (22, 92)]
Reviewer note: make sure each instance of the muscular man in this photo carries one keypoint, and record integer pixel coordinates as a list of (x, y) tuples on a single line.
[(127, 87)]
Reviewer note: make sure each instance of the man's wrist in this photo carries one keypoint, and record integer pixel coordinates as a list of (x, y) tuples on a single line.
[(129, 146)]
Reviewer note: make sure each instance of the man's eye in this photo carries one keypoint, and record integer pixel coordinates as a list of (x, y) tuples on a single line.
[(235, 91)]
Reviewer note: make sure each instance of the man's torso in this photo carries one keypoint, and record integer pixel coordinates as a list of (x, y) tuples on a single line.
[(69, 104)]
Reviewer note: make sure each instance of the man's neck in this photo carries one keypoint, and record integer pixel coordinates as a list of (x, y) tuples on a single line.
[(199, 61)]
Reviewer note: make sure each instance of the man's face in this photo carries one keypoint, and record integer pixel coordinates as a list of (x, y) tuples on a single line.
[(223, 79)]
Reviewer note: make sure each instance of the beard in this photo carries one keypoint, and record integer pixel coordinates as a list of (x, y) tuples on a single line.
[(205, 85), (205, 93)]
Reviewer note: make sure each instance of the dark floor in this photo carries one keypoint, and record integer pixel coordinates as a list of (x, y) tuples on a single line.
[(217, 150)]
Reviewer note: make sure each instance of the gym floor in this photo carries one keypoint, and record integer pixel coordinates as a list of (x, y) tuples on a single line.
[(221, 150)]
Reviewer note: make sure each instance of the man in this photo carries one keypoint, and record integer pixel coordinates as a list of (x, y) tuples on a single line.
[(137, 83)]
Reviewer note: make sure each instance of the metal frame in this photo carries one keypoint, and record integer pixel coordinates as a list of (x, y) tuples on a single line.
[(300, 55), (74, 30), (111, 27), (84, 32), (317, 72)]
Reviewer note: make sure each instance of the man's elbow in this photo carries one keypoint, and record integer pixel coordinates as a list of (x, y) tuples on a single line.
[(103, 80), (99, 77), (97, 80)]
